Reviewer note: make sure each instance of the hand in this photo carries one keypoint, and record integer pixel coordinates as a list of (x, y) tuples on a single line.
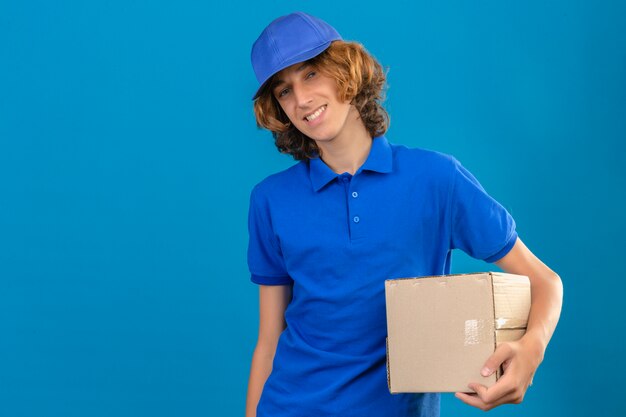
[(519, 361)]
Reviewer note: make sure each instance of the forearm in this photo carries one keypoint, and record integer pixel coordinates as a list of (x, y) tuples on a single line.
[(546, 296), (259, 371), (273, 300), (547, 300)]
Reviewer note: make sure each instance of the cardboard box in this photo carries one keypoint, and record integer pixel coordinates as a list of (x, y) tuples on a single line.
[(442, 329)]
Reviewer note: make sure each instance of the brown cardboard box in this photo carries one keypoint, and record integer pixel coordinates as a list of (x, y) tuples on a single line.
[(442, 329)]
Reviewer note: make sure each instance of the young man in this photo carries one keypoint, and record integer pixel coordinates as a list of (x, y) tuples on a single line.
[(356, 210)]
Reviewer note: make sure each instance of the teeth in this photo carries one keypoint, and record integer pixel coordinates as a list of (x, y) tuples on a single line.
[(316, 114)]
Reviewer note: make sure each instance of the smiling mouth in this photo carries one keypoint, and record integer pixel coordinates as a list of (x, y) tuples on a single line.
[(315, 114)]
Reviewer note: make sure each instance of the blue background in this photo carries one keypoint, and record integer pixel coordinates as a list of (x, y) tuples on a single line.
[(128, 149)]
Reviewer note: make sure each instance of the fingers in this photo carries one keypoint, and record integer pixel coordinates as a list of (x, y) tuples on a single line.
[(511, 387), (503, 392), (475, 401), (503, 352), (505, 386), (481, 391), (471, 399)]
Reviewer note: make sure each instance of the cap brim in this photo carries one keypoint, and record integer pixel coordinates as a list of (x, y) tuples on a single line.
[(312, 53)]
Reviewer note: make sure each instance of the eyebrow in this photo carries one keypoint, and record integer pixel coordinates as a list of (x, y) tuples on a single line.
[(300, 68)]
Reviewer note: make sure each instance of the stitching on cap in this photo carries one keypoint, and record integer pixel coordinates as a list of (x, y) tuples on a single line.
[(274, 47), (305, 18)]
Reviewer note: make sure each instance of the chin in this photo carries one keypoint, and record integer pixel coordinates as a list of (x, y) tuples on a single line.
[(322, 139), (322, 136)]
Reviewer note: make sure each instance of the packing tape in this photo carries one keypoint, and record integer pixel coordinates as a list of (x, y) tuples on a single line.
[(509, 323), (474, 332)]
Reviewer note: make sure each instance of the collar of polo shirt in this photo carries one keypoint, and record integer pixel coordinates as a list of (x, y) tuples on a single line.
[(380, 159)]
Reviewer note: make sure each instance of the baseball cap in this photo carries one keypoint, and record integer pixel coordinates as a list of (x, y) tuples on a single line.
[(288, 40)]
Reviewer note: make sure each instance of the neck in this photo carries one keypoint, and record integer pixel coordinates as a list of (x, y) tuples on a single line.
[(348, 151)]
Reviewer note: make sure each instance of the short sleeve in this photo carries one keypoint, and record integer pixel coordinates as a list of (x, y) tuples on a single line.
[(265, 259), (480, 226)]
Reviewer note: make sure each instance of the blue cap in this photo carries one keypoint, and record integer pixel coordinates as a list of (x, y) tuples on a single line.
[(288, 40)]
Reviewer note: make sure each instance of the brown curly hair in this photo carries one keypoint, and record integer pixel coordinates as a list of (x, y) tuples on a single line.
[(360, 80)]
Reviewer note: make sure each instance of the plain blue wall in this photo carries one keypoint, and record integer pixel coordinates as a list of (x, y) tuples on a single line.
[(128, 150)]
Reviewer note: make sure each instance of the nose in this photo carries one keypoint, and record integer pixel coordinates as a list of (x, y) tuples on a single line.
[(303, 95)]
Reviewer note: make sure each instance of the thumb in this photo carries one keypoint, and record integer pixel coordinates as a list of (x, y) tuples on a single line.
[(501, 354)]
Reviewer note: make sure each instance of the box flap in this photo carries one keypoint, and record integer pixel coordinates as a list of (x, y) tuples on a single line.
[(511, 300), (509, 335)]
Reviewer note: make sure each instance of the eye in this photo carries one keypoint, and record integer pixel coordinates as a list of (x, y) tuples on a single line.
[(311, 74), (282, 92)]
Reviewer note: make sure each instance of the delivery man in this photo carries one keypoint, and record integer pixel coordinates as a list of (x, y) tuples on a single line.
[(354, 211)]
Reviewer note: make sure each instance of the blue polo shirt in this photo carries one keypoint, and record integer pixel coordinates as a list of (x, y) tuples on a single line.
[(336, 238)]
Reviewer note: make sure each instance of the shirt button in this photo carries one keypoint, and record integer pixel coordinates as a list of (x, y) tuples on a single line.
[(355, 194), (356, 219)]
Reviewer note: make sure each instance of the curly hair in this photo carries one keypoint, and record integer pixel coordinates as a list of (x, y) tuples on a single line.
[(360, 80)]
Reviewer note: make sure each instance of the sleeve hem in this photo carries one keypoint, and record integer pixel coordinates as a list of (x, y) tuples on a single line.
[(264, 280), (500, 254)]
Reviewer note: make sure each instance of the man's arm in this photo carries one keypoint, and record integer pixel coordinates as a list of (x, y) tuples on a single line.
[(520, 359), (273, 300)]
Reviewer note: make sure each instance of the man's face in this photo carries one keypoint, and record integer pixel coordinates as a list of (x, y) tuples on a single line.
[(310, 101)]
